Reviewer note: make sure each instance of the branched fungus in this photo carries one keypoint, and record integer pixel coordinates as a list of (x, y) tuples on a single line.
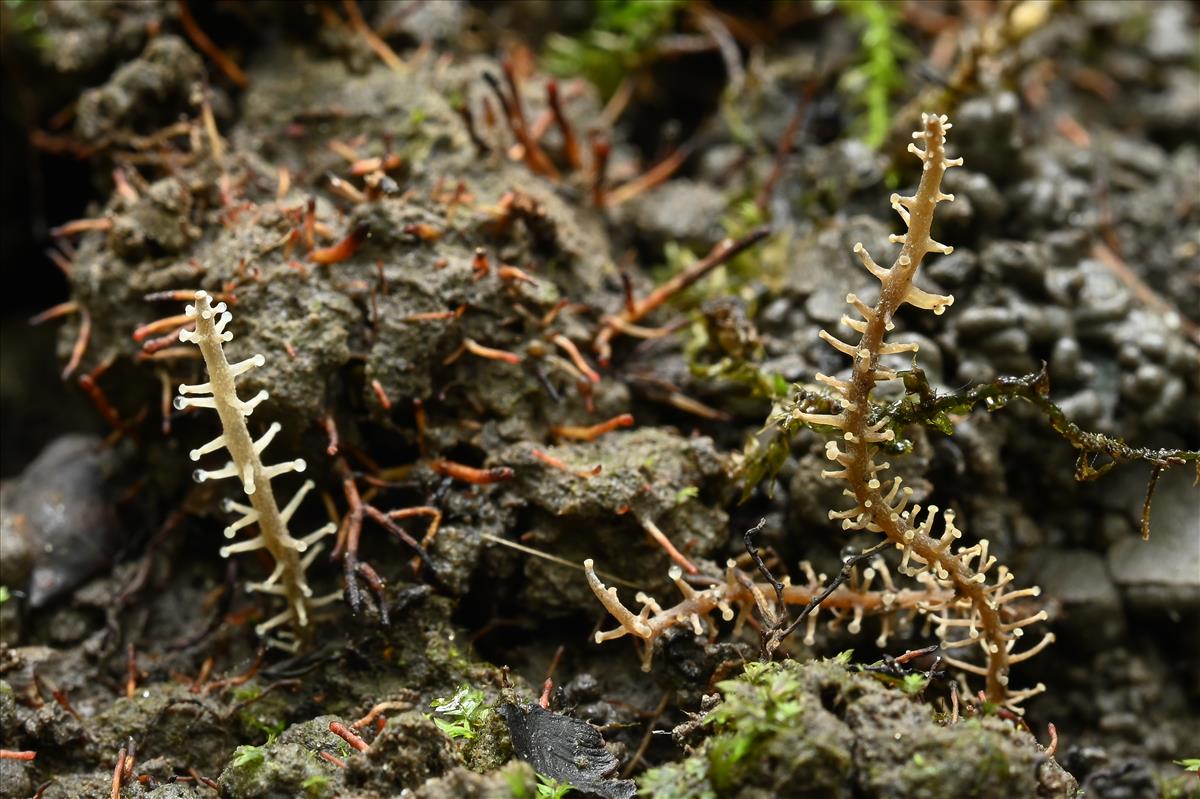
[(292, 556)]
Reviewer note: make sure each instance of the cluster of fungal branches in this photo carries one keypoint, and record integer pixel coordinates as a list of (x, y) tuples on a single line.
[(850, 596), (965, 592)]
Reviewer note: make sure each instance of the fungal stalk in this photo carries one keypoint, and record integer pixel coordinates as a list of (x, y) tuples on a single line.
[(292, 556)]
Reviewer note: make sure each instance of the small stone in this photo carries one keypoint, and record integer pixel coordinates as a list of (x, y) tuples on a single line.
[(1006, 342), (1164, 572), (1064, 360), (1172, 35), (1079, 580), (61, 510), (954, 270), (981, 320)]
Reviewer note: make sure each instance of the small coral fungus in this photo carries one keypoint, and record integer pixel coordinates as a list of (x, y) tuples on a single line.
[(967, 594)]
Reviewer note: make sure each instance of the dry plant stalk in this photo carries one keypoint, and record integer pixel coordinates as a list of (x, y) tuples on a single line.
[(966, 592), (292, 556)]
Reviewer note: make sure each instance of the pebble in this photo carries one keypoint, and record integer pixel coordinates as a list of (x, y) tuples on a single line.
[(1164, 572), (60, 512), (1079, 579), (1065, 359)]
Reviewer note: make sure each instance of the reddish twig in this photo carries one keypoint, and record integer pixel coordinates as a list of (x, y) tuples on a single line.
[(209, 48), (344, 249), (54, 312), (660, 537), (382, 707), (469, 474), (570, 149), (337, 761), (650, 178), (118, 773), (576, 357), (131, 671), (386, 54), (77, 226), (600, 152), (81, 342), (592, 432), (550, 460), (491, 353), (381, 395), (348, 735), (785, 146)]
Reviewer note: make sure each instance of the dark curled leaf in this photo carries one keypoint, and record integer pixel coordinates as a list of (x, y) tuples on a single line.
[(567, 749)]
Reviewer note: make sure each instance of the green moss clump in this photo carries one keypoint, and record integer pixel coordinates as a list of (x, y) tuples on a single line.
[(288, 766), (819, 730)]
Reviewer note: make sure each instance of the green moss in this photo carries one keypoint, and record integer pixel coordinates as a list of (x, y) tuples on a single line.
[(879, 75), (459, 716), (317, 786), (849, 735), (550, 788), (618, 42), (687, 779), (249, 756)]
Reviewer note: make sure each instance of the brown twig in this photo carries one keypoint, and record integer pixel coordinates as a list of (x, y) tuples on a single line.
[(348, 735), (469, 474), (386, 54), (209, 48), (720, 254), (344, 249), (118, 773), (592, 432)]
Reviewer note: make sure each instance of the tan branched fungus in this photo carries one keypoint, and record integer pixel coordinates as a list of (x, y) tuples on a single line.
[(966, 593), (849, 602), (292, 556)]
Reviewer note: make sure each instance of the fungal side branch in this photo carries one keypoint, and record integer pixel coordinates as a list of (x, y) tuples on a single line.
[(869, 592), (292, 556), (982, 612)]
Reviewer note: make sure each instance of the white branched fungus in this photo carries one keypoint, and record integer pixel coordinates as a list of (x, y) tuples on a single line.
[(292, 556)]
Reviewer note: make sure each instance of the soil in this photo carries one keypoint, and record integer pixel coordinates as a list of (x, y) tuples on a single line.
[(430, 323)]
